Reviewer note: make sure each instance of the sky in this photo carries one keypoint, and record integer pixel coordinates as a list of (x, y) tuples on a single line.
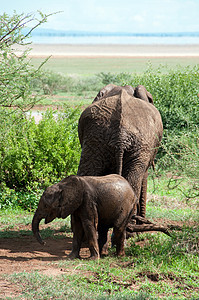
[(133, 16)]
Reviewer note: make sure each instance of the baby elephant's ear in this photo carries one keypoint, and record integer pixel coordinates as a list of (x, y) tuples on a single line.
[(71, 196)]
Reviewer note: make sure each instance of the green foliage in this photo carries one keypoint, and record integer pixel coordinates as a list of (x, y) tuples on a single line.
[(114, 78), (35, 155), (176, 97), (179, 150), (9, 198), (17, 74)]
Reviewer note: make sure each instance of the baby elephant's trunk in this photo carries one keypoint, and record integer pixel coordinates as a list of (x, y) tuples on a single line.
[(35, 227)]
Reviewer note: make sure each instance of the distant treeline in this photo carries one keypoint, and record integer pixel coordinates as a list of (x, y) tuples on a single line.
[(53, 32)]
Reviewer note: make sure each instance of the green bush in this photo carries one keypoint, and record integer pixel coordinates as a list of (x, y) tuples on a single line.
[(117, 79), (12, 199), (36, 155)]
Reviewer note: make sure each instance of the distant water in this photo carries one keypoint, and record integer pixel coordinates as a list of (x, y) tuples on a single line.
[(178, 39)]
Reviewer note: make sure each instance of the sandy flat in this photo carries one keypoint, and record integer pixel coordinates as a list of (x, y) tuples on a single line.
[(66, 50)]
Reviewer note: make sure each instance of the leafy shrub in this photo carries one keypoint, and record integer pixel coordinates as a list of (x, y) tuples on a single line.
[(180, 150), (35, 155), (12, 199), (107, 78), (175, 95), (88, 84)]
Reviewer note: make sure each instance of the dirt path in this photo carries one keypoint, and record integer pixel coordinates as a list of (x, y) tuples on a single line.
[(25, 254)]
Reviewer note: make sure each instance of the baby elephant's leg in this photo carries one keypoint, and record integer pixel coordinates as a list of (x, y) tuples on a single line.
[(119, 233), (77, 236), (102, 240), (91, 235), (118, 240)]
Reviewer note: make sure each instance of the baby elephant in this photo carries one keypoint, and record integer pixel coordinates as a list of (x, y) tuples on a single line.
[(95, 203)]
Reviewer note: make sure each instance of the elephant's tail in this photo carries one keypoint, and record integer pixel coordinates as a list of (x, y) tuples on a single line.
[(119, 161)]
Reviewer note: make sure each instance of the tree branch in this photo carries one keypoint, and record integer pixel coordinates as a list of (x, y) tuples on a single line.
[(149, 226)]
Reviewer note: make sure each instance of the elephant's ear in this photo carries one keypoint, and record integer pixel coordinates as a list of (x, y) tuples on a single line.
[(104, 92), (99, 96), (150, 98), (71, 195)]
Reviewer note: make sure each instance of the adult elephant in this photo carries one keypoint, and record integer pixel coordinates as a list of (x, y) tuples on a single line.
[(120, 133)]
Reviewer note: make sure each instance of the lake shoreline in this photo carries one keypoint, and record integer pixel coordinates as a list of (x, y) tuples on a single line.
[(110, 50)]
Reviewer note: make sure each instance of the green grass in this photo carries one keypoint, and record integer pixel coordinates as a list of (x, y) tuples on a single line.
[(89, 66), (9, 218), (12, 220), (167, 202), (70, 99)]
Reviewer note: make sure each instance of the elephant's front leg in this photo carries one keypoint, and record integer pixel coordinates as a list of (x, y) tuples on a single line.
[(91, 235), (77, 236)]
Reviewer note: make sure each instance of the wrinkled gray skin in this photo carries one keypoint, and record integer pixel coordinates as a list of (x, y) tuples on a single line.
[(96, 204), (120, 132)]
